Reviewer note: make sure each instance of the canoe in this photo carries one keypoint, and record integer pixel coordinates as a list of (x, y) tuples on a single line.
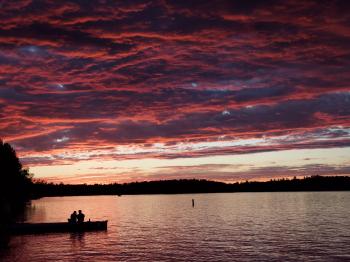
[(39, 228)]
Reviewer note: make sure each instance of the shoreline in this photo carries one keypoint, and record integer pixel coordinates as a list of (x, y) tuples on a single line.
[(192, 186), (194, 193)]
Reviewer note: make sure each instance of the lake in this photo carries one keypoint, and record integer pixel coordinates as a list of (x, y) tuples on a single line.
[(297, 226)]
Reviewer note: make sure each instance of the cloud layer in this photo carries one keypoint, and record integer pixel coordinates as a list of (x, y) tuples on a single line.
[(135, 79)]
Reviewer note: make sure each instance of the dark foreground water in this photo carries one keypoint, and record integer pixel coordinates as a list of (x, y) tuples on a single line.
[(304, 226)]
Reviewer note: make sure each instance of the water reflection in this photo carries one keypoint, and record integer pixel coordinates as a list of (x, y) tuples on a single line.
[(77, 239), (33, 211), (311, 226)]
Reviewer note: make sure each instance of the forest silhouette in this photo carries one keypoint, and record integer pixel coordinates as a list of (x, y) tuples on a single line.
[(15, 187), (15, 180), (183, 186)]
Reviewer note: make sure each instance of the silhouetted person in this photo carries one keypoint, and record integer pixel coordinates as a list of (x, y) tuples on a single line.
[(73, 218), (192, 202), (80, 217)]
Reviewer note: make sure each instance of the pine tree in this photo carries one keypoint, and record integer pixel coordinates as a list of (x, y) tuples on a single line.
[(14, 179)]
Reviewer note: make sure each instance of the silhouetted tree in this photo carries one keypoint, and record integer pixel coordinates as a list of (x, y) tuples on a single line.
[(15, 183), (14, 179)]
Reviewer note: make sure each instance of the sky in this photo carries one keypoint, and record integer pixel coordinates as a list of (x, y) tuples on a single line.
[(120, 91)]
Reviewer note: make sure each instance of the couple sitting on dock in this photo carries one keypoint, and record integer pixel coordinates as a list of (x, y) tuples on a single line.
[(76, 218)]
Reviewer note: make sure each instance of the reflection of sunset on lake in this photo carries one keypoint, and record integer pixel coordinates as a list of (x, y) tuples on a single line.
[(221, 227), (119, 91)]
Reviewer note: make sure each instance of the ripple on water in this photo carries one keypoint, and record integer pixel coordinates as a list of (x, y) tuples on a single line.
[(303, 226)]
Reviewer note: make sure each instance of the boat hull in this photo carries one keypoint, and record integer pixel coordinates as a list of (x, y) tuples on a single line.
[(40, 228)]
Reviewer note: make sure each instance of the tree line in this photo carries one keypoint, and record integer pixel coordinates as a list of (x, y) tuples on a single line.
[(182, 186)]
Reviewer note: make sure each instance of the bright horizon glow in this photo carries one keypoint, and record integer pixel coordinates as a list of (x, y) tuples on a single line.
[(151, 169)]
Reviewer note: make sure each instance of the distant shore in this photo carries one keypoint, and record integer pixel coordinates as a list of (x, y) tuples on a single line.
[(186, 186)]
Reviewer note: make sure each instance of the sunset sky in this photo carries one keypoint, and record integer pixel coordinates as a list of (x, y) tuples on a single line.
[(120, 91)]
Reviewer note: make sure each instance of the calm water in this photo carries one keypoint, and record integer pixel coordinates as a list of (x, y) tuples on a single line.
[(312, 226)]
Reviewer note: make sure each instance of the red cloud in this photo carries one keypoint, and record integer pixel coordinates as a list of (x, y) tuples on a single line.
[(165, 71)]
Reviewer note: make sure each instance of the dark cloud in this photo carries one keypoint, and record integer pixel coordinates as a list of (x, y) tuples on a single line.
[(242, 122), (74, 74)]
